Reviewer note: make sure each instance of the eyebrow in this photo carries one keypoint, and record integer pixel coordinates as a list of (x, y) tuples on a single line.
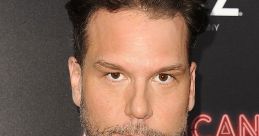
[(177, 67), (103, 63)]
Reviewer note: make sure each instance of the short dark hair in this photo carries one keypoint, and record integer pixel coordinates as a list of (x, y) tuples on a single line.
[(80, 11)]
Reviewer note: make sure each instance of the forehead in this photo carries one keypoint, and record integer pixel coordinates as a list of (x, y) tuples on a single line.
[(137, 36), (133, 19)]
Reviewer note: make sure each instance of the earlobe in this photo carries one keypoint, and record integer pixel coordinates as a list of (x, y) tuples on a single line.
[(75, 79), (192, 86)]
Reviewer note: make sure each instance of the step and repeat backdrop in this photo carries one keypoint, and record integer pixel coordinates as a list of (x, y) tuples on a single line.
[(227, 54), (35, 96)]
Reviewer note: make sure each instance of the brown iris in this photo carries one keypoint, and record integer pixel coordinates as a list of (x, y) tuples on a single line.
[(163, 77), (115, 75)]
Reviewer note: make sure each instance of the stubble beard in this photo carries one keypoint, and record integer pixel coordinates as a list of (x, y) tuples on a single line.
[(129, 129)]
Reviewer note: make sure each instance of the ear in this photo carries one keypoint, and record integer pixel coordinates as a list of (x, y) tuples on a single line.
[(75, 79), (192, 86)]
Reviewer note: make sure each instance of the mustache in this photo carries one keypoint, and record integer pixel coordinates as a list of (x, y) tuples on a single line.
[(132, 129), (128, 129)]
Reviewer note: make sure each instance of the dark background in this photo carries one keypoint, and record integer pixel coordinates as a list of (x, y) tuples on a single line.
[(36, 40)]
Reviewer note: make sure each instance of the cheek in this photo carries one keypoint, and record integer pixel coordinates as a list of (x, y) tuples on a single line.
[(104, 106), (170, 111)]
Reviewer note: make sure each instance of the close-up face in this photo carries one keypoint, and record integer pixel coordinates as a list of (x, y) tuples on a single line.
[(136, 78)]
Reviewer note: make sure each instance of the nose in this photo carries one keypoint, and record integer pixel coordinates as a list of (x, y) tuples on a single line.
[(138, 104)]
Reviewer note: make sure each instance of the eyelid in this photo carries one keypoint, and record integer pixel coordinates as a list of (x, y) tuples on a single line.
[(106, 70), (108, 77), (172, 78)]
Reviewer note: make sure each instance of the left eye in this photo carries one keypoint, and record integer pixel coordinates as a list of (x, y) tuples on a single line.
[(115, 76), (164, 78)]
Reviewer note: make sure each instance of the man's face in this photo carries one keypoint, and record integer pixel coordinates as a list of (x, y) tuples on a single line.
[(136, 79)]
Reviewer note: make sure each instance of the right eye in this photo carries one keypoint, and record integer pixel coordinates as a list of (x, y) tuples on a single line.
[(115, 77)]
